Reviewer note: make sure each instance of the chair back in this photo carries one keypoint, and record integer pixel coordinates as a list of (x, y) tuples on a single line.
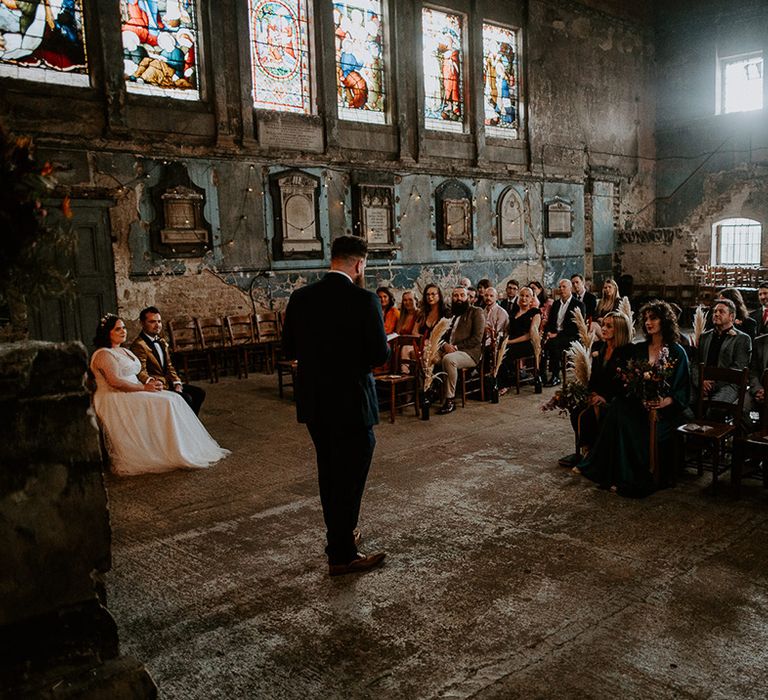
[(267, 328), (184, 335), (211, 331), (738, 377), (240, 330)]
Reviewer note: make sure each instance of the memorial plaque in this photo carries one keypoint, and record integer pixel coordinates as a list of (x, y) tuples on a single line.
[(376, 202), (457, 231), (511, 219), (559, 218), (291, 135), (295, 209)]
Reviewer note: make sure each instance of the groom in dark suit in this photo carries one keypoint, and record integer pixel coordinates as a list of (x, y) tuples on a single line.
[(152, 350), (336, 393)]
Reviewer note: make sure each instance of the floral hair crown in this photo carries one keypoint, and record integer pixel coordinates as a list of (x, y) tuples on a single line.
[(105, 318)]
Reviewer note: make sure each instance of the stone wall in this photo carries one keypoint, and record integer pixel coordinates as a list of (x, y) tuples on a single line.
[(658, 256), (55, 632)]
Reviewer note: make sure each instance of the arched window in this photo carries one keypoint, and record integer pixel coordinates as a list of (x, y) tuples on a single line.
[(736, 242)]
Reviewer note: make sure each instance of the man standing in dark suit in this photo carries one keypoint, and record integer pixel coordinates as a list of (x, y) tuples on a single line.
[(336, 393), (761, 315), (561, 329), (586, 297), (152, 351)]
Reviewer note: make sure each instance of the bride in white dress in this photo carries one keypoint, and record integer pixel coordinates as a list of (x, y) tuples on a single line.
[(147, 429)]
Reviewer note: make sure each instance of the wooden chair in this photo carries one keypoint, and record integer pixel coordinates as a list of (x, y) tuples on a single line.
[(394, 384), (527, 364), (753, 446), (286, 368), (707, 431), (187, 349), (241, 336), (268, 336), (211, 329)]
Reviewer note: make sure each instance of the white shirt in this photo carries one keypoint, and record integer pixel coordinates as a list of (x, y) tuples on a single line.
[(562, 312)]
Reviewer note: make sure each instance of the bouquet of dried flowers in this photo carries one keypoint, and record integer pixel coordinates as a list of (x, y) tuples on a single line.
[(572, 397), (649, 381)]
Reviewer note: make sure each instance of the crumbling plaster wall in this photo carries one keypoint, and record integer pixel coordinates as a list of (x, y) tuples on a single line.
[(711, 166)]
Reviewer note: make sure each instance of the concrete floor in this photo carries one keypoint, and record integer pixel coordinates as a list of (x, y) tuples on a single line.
[(506, 577)]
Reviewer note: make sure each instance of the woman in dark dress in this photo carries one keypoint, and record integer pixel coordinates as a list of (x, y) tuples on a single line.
[(432, 309), (605, 384), (522, 325), (620, 458)]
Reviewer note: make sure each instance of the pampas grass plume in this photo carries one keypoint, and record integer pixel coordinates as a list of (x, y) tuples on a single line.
[(699, 324)]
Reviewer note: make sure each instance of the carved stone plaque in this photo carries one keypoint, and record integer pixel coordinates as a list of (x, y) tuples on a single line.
[(456, 220), (297, 195), (376, 215), (511, 219), (559, 218)]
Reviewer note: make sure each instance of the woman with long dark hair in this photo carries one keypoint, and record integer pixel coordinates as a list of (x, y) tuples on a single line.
[(620, 457), (431, 311), (388, 309), (146, 429)]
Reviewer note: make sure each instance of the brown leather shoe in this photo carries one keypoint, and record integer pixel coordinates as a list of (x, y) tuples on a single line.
[(360, 564), (358, 536)]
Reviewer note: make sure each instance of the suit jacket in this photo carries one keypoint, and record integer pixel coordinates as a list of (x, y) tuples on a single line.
[(468, 332), (757, 316), (509, 305), (734, 352), (570, 330), (758, 363), (590, 305), (334, 383), (143, 348)]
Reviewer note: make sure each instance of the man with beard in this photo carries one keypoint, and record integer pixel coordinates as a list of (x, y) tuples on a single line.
[(336, 394), (463, 345)]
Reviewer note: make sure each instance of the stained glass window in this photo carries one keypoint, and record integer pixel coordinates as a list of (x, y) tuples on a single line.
[(443, 70), (360, 60), (280, 55), (160, 48), (43, 41), (500, 80)]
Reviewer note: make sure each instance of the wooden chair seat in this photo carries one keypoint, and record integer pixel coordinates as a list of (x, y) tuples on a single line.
[(286, 368)]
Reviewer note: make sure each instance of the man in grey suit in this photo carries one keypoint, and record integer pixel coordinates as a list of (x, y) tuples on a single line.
[(756, 397), (463, 345), (336, 394), (722, 346)]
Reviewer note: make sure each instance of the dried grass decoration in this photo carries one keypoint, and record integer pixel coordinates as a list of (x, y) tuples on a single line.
[(430, 353), (501, 351), (586, 338), (536, 343), (578, 364), (626, 308), (699, 324)]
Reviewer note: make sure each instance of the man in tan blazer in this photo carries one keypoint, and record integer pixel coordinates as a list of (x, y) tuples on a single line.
[(463, 345), (155, 357)]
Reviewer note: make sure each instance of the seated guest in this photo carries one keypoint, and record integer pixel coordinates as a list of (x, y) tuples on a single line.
[(586, 297), (482, 285), (510, 301), (760, 316), (146, 430), (541, 296), (432, 309), (388, 309), (465, 282), (472, 296), (561, 329), (463, 345), (620, 457), (496, 319), (743, 321), (609, 301), (721, 346), (406, 323), (522, 325), (755, 400), (152, 351)]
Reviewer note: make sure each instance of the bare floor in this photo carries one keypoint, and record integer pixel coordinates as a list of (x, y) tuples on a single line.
[(506, 576)]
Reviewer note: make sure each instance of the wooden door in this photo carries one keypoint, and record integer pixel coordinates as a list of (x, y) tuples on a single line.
[(93, 269)]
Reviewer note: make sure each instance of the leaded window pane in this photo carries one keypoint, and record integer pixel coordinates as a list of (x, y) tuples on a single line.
[(443, 58), (44, 41), (280, 55), (360, 71), (160, 39), (500, 80)]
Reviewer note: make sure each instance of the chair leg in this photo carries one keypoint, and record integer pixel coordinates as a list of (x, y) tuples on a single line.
[(715, 464), (463, 375), (280, 382), (737, 461), (392, 402)]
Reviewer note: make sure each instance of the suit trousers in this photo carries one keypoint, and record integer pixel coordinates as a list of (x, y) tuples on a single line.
[(555, 348), (452, 362), (194, 396), (344, 457)]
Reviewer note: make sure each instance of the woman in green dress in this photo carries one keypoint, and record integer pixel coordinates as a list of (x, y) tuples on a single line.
[(620, 457)]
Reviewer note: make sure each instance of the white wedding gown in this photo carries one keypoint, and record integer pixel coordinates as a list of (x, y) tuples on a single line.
[(149, 432)]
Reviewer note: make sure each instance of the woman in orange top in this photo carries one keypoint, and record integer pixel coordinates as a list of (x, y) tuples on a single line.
[(388, 308)]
